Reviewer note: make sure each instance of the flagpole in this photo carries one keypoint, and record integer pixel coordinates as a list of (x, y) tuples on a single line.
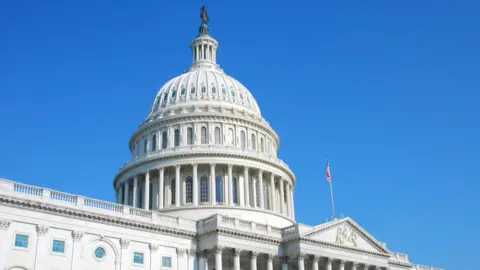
[(329, 178)]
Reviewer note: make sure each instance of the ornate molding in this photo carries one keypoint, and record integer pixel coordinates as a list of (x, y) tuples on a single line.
[(300, 255), (180, 251), (254, 255), (342, 262), (236, 252), (366, 266), (124, 243), (42, 230), (4, 224), (153, 247), (192, 253), (218, 249), (77, 236), (329, 260), (270, 256), (316, 258)]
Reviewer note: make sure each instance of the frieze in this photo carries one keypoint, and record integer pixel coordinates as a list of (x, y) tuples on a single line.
[(4, 224), (42, 230), (124, 243), (153, 247), (77, 236), (346, 236)]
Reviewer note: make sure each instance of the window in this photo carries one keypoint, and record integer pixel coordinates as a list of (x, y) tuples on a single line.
[(164, 100), (177, 137), (138, 258), (182, 92), (192, 90), (254, 142), (214, 90), (58, 246), (99, 253), (218, 138), (166, 262), (203, 134), (219, 189), (224, 91), (242, 139), (204, 89), (257, 193), (137, 148), (145, 146), (154, 142), (267, 196), (231, 138), (233, 92), (234, 190), (164, 140), (172, 185), (190, 136), (188, 190), (21, 240), (174, 93), (262, 145), (204, 189)]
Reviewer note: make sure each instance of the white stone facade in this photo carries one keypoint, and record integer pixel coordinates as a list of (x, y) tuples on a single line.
[(204, 190)]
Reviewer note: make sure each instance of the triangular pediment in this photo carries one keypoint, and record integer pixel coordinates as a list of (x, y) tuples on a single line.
[(347, 233)]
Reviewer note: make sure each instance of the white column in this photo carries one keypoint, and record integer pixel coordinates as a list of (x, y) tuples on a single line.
[(272, 192), (315, 261), (161, 186), (203, 263), (218, 257), (4, 242), (329, 264), (241, 190), (289, 208), (261, 187), (254, 192), (285, 263), (270, 261), (135, 191), (301, 262), (126, 195), (146, 203), (365, 266), (177, 186), (77, 249), (342, 265), (282, 196), (212, 184), (42, 247), (354, 266), (253, 260), (154, 261), (230, 184), (292, 207), (195, 184), (125, 265), (180, 257), (192, 262), (236, 259), (247, 189)]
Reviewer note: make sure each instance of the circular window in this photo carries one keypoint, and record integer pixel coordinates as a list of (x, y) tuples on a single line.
[(99, 253)]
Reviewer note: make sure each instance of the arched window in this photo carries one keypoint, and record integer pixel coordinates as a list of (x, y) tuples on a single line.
[(177, 137), (174, 93), (262, 145), (182, 92), (192, 90), (204, 188), (145, 146), (214, 90), (218, 137), (172, 188), (204, 89), (243, 142), (154, 142), (188, 190), (231, 137), (164, 140), (190, 136), (219, 188), (137, 148), (203, 135), (234, 190), (254, 142)]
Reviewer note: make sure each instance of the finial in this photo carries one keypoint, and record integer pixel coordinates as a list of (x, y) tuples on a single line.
[(204, 16)]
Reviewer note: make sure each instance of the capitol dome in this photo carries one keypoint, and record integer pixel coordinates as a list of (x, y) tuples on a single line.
[(204, 149)]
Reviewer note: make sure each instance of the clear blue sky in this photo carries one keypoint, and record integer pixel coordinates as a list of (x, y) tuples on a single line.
[(387, 90)]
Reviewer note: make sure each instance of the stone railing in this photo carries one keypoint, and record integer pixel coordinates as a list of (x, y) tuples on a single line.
[(219, 221), (424, 267), (61, 199), (399, 257)]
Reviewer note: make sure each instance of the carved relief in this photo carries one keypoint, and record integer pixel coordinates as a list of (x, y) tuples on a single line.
[(153, 247), (346, 236), (236, 252), (218, 249), (180, 251), (124, 243), (42, 230), (77, 236), (254, 255), (4, 224)]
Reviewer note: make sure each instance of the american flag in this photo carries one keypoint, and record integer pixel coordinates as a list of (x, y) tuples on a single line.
[(327, 171)]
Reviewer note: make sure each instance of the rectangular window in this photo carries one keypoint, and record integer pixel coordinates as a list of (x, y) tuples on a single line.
[(177, 137), (137, 258), (154, 143), (21, 240), (167, 262), (145, 146), (58, 246)]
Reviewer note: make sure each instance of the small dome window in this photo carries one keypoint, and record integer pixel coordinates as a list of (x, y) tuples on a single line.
[(192, 90), (174, 93), (214, 90), (233, 92), (164, 99), (224, 91), (182, 92), (241, 96), (248, 100), (204, 89)]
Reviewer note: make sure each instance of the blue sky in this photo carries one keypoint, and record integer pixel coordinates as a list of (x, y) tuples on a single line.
[(387, 90)]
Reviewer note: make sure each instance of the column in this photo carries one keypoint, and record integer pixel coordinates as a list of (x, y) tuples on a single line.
[(315, 261), (146, 203), (154, 261), (282, 196), (253, 260), (192, 254), (212, 184), (329, 263), (230, 184), (119, 194), (342, 265), (180, 253), (177, 185), (77, 249), (288, 206), (236, 259), (135, 191), (4, 241), (126, 195), (301, 261), (247, 190), (195, 184), (241, 190), (291, 201), (270, 261), (43, 248), (218, 257), (285, 263), (261, 187), (354, 266), (125, 243), (366, 266), (203, 263), (161, 186), (272, 192), (254, 192)]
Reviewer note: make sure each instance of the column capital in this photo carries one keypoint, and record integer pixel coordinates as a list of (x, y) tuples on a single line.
[(212, 164), (284, 259), (329, 260), (180, 251), (236, 251), (230, 166), (254, 255), (342, 262), (366, 266), (218, 249), (124, 243), (192, 253), (42, 230), (316, 258), (77, 236), (4, 224), (300, 256), (194, 165), (161, 168), (270, 257), (146, 172), (153, 247), (177, 167)]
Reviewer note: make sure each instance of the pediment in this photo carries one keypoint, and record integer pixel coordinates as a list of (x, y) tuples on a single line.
[(345, 232)]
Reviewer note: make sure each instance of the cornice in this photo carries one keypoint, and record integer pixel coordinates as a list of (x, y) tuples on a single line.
[(242, 235), (89, 216)]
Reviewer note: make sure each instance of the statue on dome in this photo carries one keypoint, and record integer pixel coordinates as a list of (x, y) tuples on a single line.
[(204, 16)]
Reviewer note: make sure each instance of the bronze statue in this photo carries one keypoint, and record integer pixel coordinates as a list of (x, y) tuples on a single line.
[(204, 15)]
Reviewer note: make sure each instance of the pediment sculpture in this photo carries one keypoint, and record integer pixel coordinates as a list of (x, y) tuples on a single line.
[(346, 236)]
